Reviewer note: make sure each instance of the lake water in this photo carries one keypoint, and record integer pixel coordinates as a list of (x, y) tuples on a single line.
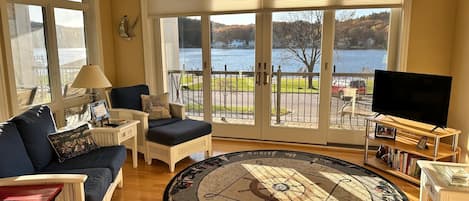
[(346, 61)]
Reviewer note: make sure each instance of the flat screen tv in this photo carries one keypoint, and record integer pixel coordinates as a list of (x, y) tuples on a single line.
[(418, 97)]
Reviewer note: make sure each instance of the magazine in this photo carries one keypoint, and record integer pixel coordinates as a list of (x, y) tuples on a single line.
[(456, 176)]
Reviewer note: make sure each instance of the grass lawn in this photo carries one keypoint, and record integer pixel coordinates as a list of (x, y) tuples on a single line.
[(246, 84), (240, 109)]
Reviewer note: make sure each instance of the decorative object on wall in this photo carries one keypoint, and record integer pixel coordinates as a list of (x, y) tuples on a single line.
[(126, 29)]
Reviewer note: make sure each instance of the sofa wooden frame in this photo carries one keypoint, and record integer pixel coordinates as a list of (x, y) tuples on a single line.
[(74, 184), (151, 150)]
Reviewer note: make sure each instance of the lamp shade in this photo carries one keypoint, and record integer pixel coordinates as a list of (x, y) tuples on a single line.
[(91, 76)]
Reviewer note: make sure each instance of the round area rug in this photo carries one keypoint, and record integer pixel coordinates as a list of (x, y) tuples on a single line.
[(278, 175)]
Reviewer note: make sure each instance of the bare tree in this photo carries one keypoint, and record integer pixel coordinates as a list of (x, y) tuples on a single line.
[(302, 39)]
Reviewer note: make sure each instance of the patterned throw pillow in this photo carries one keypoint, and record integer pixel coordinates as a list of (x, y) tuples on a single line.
[(71, 143), (157, 106)]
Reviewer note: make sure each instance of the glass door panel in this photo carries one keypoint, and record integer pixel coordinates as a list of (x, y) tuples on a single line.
[(296, 58), (28, 44), (360, 47), (72, 56), (71, 47), (183, 62), (233, 68)]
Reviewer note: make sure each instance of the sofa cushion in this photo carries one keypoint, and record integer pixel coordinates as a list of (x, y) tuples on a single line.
[(105, 157), (34, 125), (128, 97), (179, 132), (14, 155), (96, 184), (72, 143), (161, 122)]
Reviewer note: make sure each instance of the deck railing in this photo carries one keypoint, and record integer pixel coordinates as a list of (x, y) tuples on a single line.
[(41, 75), (294, 101)]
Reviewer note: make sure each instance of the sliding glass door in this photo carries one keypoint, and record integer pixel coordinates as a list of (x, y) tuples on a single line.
[(295, 76)]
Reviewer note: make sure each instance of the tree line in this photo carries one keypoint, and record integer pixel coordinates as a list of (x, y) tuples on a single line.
[(369, 32)]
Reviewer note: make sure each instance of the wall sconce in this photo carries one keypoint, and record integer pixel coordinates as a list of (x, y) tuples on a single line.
[(126, 30)]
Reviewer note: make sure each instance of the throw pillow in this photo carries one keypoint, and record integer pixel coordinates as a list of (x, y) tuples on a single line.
[(71, 143), (157, 106), (34, 125)]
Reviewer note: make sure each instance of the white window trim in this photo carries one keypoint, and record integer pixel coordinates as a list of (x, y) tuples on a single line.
[(404, 35)]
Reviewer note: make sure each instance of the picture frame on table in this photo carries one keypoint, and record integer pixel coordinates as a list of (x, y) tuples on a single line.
[(422, 144), (382, 131), (99, 112)]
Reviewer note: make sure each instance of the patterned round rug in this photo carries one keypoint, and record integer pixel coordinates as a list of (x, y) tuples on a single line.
[(278, 175)]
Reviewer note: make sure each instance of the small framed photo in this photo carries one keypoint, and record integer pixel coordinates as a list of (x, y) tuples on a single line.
[(422, 144), (99, 111), (382, 131)]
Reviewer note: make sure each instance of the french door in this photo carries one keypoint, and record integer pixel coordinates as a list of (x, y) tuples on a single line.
[(271, 75)]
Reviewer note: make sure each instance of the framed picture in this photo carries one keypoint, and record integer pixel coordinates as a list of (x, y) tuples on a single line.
[(99, 111), (422, 144), (382, 131)]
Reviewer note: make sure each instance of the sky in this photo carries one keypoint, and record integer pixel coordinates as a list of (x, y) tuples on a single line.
[(250, 18)]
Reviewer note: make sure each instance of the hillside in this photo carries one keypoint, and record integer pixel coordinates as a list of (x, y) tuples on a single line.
[(357, 33)]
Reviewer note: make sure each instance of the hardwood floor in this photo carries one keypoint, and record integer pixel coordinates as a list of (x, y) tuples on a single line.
[(149, 182)]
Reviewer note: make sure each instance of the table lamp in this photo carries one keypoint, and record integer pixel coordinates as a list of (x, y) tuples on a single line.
[(91, 77)]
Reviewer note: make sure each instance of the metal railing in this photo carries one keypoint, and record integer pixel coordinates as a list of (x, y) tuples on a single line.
[(295, 97), (41, 77)]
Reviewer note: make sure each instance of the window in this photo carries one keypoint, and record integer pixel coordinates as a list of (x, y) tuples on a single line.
[(48, 46), (29, 51), (360, 47), (71, 45)]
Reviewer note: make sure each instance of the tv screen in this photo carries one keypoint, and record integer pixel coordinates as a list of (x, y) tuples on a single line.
[(418, 97)]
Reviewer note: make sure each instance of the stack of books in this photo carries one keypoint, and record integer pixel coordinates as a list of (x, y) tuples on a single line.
[(401, 161)]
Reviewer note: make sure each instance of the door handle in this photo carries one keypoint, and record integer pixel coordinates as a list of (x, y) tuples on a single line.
[(258, 74), (266, 75)]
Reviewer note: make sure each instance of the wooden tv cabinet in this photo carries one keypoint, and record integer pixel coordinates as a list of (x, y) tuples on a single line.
[(408, 134)]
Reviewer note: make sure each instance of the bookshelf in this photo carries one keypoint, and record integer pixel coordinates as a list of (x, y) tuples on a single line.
[(408, 134)]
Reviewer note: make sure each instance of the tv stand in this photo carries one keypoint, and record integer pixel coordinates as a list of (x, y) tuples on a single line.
[(407, 135)]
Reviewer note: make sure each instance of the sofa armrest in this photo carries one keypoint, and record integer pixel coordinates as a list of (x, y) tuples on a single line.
[(73, 183), (177, 110)]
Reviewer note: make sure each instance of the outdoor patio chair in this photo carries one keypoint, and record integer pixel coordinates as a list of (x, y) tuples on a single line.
[(168, 140), (350, 106), (26, 95), (79, 110)]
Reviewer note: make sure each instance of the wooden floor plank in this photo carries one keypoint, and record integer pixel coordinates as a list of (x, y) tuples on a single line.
[(148, 182)]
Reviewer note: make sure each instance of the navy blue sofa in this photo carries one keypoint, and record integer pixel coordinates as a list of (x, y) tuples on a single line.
[(25, 150)]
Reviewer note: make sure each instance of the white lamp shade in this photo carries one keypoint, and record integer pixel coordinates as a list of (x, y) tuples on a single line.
[(91, 76)]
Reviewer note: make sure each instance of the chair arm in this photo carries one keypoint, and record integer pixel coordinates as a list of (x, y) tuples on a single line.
[(73, 183), (177, 110), (128, 114)]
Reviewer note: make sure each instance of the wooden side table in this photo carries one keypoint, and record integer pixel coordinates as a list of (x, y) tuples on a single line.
[(435, 185), (106, 136)]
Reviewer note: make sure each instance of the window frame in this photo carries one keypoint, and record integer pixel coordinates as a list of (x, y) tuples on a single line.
[(58, 103)]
